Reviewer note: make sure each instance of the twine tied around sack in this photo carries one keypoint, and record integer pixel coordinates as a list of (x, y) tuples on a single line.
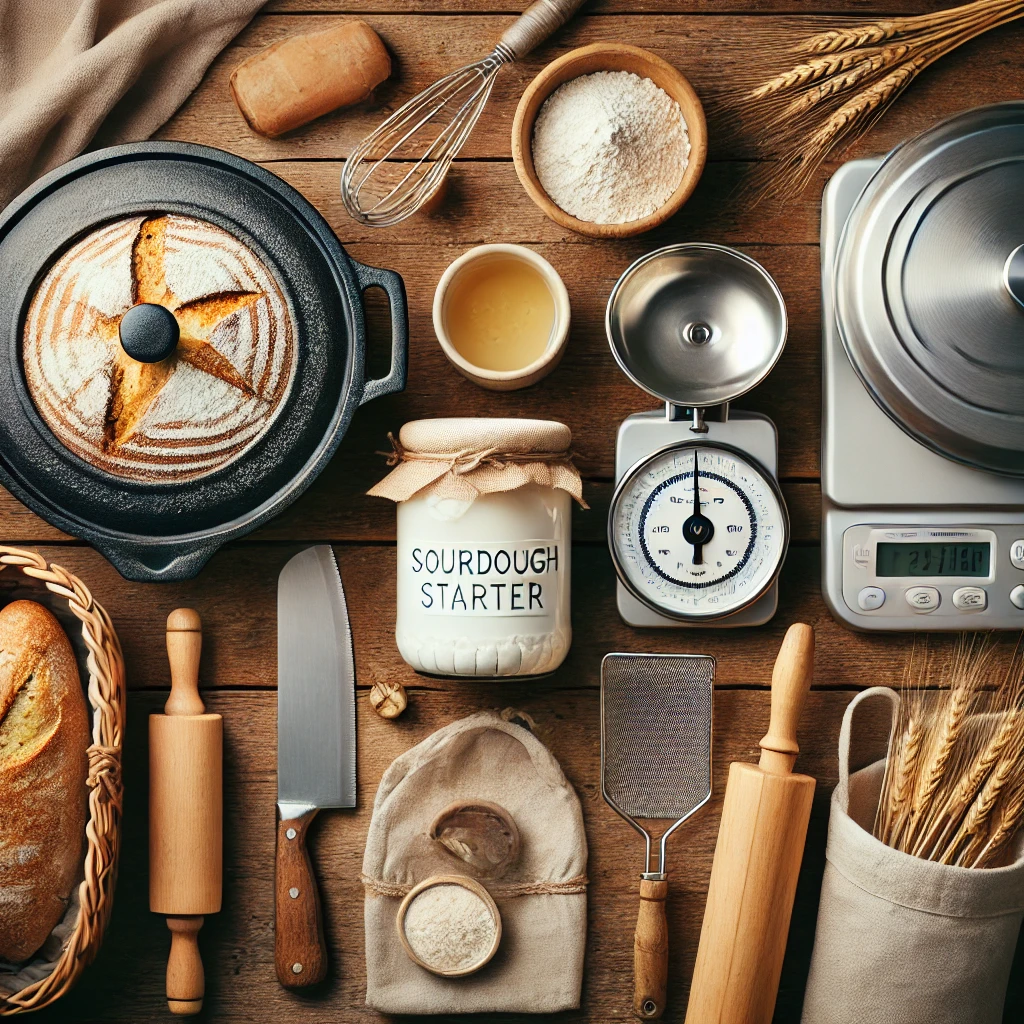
[(508, 890), (467, 473)]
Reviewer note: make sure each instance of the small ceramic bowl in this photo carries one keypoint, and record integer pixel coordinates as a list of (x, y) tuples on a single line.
[(466, 883), (585, 61), (505, 380)]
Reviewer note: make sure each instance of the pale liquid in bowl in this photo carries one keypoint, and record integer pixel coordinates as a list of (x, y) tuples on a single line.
[(499, 313)]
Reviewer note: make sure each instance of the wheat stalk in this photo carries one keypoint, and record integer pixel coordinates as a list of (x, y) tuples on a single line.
[(953, 787), (950, 814), (847, 38), (804, 113), (860, 67), (853, 116), (906, 776), (805, 73), (980, 813), (1009, 822)]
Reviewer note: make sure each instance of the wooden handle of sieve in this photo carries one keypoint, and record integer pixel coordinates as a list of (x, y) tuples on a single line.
[(650, 951), (536, 23)]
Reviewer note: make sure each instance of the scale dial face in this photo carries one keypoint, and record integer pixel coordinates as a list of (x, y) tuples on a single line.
[(698, 530)]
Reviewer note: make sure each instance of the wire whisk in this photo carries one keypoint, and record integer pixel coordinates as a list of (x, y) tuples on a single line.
[(401, 165)]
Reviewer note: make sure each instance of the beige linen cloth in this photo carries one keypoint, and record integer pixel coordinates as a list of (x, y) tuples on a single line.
[(81, 72), (542, 898)]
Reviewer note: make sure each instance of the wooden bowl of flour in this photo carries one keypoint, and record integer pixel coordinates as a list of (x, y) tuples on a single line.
[(586, 61)]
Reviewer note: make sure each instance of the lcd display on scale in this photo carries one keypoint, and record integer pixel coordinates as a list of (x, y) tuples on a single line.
[(932, 559)]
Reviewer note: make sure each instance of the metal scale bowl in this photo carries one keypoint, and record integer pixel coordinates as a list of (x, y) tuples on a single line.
[(698, 528), (923, 432)]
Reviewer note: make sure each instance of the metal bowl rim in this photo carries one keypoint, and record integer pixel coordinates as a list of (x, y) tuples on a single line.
[(683, 247)]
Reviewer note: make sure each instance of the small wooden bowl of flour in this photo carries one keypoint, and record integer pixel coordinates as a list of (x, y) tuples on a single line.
[(449, 925), (595, 185)]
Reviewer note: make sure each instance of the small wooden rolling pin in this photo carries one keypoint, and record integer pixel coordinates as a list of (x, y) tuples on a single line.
[(185, 813), (757, 860)]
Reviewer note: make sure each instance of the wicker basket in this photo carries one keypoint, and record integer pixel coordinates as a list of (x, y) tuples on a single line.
[(103, 829)]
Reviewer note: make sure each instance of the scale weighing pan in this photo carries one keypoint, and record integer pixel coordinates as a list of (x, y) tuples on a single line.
[(697, 528), (696, 325)]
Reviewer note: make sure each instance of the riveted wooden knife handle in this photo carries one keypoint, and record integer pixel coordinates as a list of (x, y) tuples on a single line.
[(650, 951), (300, 954)]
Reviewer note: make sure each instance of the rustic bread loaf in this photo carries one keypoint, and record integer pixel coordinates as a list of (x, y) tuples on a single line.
[(44, 736)]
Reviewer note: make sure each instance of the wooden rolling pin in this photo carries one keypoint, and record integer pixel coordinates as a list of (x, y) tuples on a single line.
[(185, 813), (757, 860)]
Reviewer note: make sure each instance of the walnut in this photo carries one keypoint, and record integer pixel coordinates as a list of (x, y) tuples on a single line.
[(389, 700), (482, 834)]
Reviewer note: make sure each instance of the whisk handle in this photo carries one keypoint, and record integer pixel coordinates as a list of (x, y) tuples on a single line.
[(536, 23), (650, 951)]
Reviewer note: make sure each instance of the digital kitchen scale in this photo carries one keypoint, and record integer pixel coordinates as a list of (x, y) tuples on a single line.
[(697, 528), (923, 392)]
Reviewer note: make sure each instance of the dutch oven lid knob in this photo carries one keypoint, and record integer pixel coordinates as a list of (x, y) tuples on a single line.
[(1013, 274), (149, 333)]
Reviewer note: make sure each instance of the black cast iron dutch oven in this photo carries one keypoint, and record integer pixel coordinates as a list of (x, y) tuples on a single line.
[(166, 530)]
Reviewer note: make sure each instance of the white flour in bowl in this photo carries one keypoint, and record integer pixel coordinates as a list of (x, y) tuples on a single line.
[(449, 927), (610, 147)]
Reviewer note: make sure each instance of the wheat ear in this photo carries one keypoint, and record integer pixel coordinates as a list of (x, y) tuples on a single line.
[(857, 73), (852, 116), (934, 772), (1012, 813), (806, 73), (981, 809), (906, 781), (847, 38), (952, 811)]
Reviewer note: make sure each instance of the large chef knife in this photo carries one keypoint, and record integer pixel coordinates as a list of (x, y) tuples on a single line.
[(316, 747)]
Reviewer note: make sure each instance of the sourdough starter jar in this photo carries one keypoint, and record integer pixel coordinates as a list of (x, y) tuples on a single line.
[(484, 544)]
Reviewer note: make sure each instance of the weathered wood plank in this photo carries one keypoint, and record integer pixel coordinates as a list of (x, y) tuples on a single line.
[(861, 8), (237, 944), (486, 203), (719, 54), (236, 595), (333, 511)]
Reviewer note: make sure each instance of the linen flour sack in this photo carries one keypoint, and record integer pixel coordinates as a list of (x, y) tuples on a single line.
[(538, 967), (901, 940)]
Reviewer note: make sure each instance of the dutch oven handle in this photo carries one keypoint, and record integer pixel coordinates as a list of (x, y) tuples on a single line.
[(156, 563), (394, 286)]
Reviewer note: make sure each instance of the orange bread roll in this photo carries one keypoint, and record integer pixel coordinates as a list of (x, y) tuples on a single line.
[(302, 77)]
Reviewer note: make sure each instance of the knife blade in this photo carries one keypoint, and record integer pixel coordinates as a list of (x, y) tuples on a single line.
[(316, 747)]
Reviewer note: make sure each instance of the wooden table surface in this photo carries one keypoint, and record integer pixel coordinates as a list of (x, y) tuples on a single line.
[(713, 42)]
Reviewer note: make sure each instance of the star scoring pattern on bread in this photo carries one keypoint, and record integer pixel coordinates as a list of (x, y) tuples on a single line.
[(135, 386)]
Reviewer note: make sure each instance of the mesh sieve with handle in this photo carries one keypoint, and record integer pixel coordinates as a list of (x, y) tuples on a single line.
[(656, 714)]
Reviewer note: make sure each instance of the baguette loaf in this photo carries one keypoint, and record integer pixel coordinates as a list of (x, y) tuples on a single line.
[(44, 736)]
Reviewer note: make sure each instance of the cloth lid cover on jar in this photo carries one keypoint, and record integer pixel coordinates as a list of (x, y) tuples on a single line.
[(464, 457)]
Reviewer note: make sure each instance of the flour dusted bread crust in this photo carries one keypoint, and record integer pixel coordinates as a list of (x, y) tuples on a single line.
[(44, 736), (192, 413)]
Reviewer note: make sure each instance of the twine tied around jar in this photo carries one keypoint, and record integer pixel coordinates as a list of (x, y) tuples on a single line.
[(468, 472)]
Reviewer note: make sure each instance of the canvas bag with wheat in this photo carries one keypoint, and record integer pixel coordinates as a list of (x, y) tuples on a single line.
[(901, 939)]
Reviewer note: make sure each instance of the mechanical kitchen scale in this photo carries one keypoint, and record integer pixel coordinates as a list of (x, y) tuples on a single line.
[(697, 528), (923, 402)]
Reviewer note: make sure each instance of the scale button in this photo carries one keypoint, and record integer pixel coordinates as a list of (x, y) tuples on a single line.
[(871, 598), (970, 599), (923, 599), (1017, 596), (1017, 554)]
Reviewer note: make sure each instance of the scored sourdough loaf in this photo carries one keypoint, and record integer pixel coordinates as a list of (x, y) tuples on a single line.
[(44, 736)]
